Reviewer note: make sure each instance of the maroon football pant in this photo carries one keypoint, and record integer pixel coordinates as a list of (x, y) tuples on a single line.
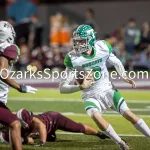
[(66, 124), (6, 116)]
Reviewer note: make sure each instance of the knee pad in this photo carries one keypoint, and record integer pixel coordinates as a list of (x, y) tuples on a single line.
[(92, 106), (91, 111), (123, 108)]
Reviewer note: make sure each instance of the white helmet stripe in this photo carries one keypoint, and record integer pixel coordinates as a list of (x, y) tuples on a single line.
[(19, 115)]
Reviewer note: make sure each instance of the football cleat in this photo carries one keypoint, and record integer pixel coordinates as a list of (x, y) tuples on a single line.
[(103, 136), (123, 145)]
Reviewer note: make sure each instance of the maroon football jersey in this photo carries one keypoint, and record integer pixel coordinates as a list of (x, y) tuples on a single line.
[(50, 120)]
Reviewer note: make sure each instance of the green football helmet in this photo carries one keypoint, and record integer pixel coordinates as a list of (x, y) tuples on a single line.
[(84, 38)]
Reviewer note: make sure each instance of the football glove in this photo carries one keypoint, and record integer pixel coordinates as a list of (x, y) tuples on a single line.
[(27, 89)]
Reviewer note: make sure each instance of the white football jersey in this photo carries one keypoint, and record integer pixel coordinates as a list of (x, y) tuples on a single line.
[(96, 63), (8, 51)]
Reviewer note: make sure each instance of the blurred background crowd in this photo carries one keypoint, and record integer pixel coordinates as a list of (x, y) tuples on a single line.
[(46, 44)]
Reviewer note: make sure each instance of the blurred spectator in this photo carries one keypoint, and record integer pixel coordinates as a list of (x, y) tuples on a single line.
[(90, 19), (39, 55), (24, 58), (147, 53), (131, 36), (118, 33), (58, 59), (145, 34), (12, 21), (35, 32), (124, 41), (140, 61), (60, 30), (120, 51), (21, 10), (22, 31), (38, 65), (112, 40), (49, 57)]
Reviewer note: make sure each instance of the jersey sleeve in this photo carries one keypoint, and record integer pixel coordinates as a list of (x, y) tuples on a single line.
[(67, 62), (11, 52), (65, 87), (118, 65), (103, 46)]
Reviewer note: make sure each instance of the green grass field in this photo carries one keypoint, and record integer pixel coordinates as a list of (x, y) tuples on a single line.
[(72, 106)]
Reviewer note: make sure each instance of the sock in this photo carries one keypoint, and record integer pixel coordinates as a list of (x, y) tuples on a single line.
[(142, 127), (112, 134)]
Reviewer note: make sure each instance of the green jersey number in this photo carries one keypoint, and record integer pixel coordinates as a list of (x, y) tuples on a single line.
[(97, 73)]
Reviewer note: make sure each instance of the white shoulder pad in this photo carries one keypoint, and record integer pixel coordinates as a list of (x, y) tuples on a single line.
[(101, 45)]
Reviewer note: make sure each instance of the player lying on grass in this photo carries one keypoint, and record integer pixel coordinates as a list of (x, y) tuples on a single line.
[(9, 53), (44, 126), (91, 54)]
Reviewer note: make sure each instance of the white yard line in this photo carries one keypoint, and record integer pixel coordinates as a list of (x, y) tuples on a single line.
[(118, 115), (109, 115), (66, 99), (82, 114), (147, 109), (135, 135), (44, 99), (138, 101), (140, 109)]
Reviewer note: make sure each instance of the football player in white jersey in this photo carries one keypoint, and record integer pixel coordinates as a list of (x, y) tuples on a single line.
[(9, 53), (98, 96)]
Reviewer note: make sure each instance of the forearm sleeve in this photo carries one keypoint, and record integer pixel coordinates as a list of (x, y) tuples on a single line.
[(118, 65), (65, 86)]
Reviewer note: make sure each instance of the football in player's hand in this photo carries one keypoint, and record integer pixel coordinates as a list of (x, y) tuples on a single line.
[(80, 78), (82, 73)]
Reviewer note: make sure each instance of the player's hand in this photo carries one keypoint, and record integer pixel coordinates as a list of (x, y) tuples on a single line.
[(40, 144), (130, 81), (27, 89), (87, 82), (30, 141)]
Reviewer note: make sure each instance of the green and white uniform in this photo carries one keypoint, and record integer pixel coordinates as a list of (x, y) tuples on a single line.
[(100, 95)]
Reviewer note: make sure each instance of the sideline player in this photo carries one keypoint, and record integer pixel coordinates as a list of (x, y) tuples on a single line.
[(9, 53), (91, 54), (43, 126)]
